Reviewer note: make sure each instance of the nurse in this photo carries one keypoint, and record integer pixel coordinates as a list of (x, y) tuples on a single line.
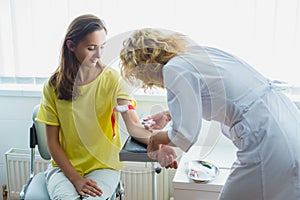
[(205, 82)]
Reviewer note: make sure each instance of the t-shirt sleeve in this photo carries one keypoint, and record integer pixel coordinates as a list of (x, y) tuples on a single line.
[(185, 105), (47, 112), (124, 91)]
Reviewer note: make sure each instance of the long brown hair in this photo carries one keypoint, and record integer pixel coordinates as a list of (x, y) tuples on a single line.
[(63, 79)]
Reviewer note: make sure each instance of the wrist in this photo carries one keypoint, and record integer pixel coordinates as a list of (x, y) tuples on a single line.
[(167, 114), (162, 138), (167, 140), (74, 177)]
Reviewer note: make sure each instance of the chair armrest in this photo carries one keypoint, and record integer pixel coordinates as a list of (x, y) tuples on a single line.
[(22, 193), (134, 151), (24, 189), (120, 189)]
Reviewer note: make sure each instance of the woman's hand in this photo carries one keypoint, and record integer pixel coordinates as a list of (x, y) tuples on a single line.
[(87, 187), (160, 120)]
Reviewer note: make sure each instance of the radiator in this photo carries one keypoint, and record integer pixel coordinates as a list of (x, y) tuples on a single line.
[(137, 177), (18, 169)]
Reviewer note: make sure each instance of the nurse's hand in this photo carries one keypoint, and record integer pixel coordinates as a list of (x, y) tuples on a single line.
[(166, 157), (154, 144), (158, 150), (160, 120)]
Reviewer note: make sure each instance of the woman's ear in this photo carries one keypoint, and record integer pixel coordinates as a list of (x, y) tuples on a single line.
[(70, 44)]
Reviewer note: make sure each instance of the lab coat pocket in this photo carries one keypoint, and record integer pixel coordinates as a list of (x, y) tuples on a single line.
[(238, 132), (246, 141)]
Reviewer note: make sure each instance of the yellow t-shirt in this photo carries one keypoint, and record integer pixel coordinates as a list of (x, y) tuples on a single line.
[(86, 133)]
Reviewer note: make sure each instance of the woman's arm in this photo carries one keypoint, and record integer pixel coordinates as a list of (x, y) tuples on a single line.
[(84, 187), (163, 154), (133, 125)]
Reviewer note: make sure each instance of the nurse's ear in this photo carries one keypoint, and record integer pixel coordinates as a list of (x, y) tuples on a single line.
[(71, 45)]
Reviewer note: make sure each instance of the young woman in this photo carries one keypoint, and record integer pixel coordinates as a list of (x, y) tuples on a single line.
[(207, 82), (81, 125)]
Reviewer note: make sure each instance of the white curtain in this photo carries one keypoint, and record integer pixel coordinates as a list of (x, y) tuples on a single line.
[(265, 33)]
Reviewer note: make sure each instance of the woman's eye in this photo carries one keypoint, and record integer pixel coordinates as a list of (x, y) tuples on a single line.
[(91, 48)]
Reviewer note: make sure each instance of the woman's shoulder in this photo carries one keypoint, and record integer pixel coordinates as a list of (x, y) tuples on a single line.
[(111, 72), (48, 86)]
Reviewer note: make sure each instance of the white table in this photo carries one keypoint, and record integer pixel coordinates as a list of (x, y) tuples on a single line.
[(186, 188)]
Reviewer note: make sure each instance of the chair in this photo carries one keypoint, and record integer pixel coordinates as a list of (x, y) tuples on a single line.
[(36, 188)]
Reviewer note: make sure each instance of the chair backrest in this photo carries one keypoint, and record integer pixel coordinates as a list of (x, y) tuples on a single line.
[(40, 131)]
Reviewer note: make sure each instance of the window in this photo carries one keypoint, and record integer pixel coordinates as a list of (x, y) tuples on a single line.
[(266, 34)]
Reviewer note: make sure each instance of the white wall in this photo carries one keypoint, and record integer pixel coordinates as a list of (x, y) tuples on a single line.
[(15, 119)]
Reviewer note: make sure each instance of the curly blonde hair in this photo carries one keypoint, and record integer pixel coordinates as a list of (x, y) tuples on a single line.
[(145, 53)]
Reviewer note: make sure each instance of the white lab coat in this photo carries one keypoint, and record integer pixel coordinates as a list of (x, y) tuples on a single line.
[(263, 123)]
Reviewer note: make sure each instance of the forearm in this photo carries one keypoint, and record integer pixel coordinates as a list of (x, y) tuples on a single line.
[(133, 125), (60, 158), (161, 137), (137, 131), (58, 155)]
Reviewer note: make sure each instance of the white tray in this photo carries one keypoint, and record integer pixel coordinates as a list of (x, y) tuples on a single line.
[(202, 171)]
